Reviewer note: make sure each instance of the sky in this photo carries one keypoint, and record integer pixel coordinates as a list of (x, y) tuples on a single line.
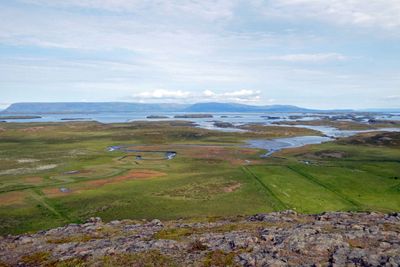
[(310, 53)]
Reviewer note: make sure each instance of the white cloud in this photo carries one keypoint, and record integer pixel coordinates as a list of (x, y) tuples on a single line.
[(365, 13), (205, 9), (235, 96), (392, 98), (108, 49), (309, 57), (371, 13), (112, 5), (209, 93), (4, 105), (162, 94)]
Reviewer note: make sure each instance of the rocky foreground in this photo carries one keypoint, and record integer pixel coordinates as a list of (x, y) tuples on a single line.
[(274, 239)]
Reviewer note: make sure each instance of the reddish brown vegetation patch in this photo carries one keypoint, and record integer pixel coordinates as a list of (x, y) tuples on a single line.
[(33, 180), (33, 129), (292, 151), (150, 147), (232, 187), (12, 198), (233, 155), (131, 175), (54, 192)]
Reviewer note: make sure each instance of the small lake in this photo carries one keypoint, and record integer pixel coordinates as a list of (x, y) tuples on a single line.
[(274, 145), (337, 133), (141, 154), (331, 133)]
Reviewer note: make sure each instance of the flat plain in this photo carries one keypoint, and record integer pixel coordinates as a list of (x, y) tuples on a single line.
[(57, 173)]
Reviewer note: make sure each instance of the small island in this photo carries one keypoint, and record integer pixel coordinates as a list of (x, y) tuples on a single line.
[(222, 124), (376, 121), (157, 117), (193, 116), (19, 117), (270, 117), (74, 119)]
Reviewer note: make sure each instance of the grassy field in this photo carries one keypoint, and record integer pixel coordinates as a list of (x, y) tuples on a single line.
[(56, 173)]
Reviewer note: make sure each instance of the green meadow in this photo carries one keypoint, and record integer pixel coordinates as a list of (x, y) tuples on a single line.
[(57, 173)]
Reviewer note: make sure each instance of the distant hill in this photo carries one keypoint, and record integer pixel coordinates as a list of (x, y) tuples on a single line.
[(90, 107), (95, 107), (233, 107)]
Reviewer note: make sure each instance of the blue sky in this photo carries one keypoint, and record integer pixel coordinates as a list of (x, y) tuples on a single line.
[(311, 53)]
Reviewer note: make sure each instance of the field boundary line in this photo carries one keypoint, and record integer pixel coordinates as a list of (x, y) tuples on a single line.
[(315, 181), (41, 199), (277, 204)]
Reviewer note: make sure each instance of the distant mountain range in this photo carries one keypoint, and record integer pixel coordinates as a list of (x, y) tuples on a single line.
[(89, 107), (233, 107), (96, 107)]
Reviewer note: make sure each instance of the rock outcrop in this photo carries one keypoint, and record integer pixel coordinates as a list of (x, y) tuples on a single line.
[(274, 239)]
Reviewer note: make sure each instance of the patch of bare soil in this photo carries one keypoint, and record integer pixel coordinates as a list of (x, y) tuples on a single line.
[(234, 156), (330, 154), (88, 185), (232, 187), (33, 180), (12, 198), (27, 160), (55, 192), (33, 129)]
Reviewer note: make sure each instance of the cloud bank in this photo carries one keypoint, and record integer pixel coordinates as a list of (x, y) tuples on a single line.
[(313, 53), (242, 96)]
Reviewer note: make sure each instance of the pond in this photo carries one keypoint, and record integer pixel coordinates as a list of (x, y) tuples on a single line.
[(331, 133), (144, 154), (274, 145)]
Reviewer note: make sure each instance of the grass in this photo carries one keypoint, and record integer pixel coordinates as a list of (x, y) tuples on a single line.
[(36, 259), (219, 258), (298, 192), (148, 258), (181, 233), (211, 176)]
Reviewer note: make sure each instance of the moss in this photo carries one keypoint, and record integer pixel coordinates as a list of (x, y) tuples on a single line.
[(356, 243), (391, 227), (36, 259), (179, 233), (197, 245), (219, 258), (174, 233), (148, 258), (200, 191), (74, 262), (69, 239)]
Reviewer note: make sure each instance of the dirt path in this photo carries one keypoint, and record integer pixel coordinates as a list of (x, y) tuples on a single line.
[(39, 197)]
